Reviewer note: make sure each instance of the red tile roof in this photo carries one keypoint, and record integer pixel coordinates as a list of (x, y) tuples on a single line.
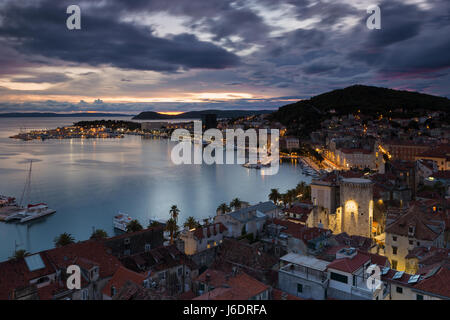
[(121, 276), (349, 265), (15, 274), (438, 283), (238, 287), (280, 295), (199, 233), (414, 217), (299, 231), (83, 252)]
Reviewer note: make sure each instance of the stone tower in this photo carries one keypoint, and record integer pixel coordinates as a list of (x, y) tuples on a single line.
[(356, 210)]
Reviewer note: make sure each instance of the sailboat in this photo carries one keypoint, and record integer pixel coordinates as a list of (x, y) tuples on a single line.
[(32, 211)]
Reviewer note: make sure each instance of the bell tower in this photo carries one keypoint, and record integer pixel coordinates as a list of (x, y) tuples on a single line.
[(356, 199)]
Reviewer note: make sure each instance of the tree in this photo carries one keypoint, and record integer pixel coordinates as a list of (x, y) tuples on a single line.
[(223, 208), (236, 203), (64, 239), (172, 227), (303, 191), (274, 195), (134, 226), (19, 254), (153, 224), (191, 223), (99, 234), (291, 196), (174, 212), (285, 199)]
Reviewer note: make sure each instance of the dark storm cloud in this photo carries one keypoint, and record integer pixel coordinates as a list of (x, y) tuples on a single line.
[(41, 30), (286, 57)]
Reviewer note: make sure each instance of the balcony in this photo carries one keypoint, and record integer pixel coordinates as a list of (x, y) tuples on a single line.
[(306, 273)]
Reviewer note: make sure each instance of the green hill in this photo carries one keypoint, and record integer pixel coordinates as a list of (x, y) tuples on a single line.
[(221, 114), (305, 116)]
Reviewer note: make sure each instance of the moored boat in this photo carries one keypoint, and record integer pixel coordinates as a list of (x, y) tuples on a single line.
[(121, 221)]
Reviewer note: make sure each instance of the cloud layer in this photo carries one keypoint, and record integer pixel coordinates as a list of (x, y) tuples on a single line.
[(181, 55)]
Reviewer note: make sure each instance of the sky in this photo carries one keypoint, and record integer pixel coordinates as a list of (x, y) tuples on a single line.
[(180, 55)]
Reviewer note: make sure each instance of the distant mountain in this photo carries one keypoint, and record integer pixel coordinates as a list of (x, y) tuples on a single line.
[(305, 116), (50, 114), (221, 114)]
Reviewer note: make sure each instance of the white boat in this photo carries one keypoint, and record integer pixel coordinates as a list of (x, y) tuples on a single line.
[(121, 221), (35, 211)]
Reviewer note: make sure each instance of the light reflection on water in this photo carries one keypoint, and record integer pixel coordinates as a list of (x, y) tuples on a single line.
[(88, 181)]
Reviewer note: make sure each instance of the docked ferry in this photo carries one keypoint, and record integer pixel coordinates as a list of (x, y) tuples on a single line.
[(121, 221)]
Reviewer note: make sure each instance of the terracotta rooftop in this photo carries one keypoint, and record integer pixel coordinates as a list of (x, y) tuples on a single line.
[(210, 230), (228, 287), (299, 231), (438, 283), (416, 218), (349, 265), (121, 276)]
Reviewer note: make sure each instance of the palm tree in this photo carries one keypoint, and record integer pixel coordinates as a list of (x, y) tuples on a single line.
[(274, 195), (300, 187), (174, 212), (64, 239), (291, 196), (303, 191), (223, 208), (285, 199), (172, 227), (236, 203), (191, 223), (134, 226), (19, 254), (99, 234)]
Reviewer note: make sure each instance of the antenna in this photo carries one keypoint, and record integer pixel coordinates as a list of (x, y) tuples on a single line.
[(27, 184)]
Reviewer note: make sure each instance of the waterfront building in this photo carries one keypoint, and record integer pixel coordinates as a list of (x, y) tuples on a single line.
[(250, 219)]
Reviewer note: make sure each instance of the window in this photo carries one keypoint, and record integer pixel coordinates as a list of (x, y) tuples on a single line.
[(418, 243), (127, 252), (411, 242), (127, 241), (394, 264), (394, 238), (399, 290), (147, 247), (354, 280), (299, 288), (419, 297), (180, 271), (338, 277), (394, 250)]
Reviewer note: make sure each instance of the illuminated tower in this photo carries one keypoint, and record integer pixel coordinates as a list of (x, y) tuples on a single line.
[(356, 198)]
